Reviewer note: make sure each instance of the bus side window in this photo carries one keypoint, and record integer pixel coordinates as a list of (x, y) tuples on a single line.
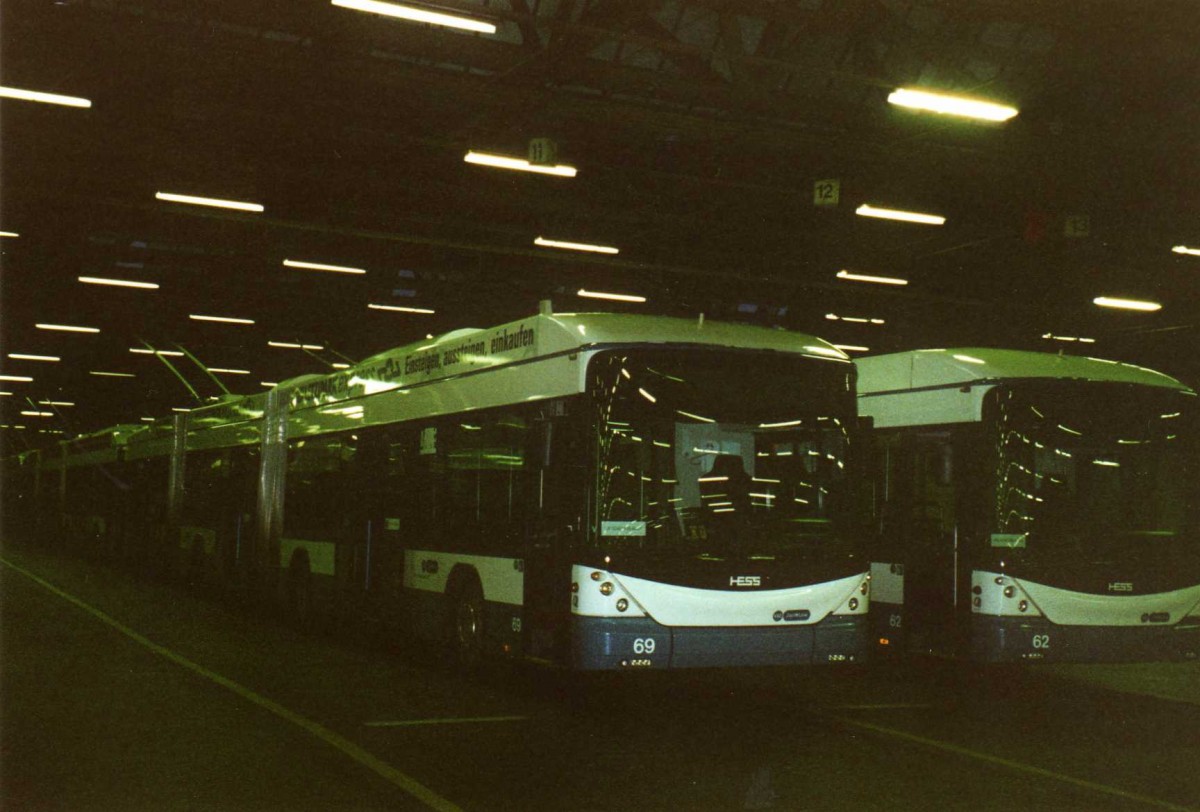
[(317, 494), (485, 475)]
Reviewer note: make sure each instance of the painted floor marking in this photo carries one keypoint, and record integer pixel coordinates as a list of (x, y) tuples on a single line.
[(886, 706), (349, 748), (462, 721), (1103, 789)]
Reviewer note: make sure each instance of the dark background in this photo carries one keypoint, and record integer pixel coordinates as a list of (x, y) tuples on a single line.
[(699, 129)]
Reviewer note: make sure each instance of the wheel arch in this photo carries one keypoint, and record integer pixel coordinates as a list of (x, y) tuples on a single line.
[(461, 576)]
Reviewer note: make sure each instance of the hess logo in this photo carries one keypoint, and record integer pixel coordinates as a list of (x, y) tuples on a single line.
[(1120, 586), (745, 580)]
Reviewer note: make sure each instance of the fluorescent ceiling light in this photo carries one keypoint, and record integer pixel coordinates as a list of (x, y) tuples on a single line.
[(1080, 339), (1178, 249), (208, 201), (969, 359), (853, 319), (519, 164), (288, 345), (100, 374), (55, 403), (1126, 304), (16, 378), (67, 328), (867, 210), (37, 414), (418, 15), (20, 356), (5, 394), (616, 297), (179, 409), (147, 419), (45, 98), (268, 383), (399, 309), (171, 353), (879, 280), (223, 371), (852, 348), (336, 365), (318, 266), (9, 234), (576, 246), (221, 319), (951, 105), (118, 283)]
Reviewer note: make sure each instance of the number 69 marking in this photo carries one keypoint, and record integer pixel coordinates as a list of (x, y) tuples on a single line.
[(643, 645)]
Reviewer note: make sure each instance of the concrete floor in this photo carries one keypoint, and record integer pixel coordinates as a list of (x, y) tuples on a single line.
[(192, 705)]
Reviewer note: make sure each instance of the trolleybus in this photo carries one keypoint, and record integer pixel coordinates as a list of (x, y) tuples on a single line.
[(1034, 506), (599, 491)]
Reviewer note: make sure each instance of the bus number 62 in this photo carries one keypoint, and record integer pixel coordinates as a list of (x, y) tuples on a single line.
[(643, 645)]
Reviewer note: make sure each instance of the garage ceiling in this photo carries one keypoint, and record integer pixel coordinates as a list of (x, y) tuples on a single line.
[(699, 130)]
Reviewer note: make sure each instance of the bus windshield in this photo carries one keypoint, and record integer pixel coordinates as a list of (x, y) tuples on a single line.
[(1086, 469), (720, 452)]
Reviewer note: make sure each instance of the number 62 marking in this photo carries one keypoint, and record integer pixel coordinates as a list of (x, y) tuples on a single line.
[(1041, 641)]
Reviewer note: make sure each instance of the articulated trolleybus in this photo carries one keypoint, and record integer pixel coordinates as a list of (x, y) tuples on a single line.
[(1036, 506), (599, 491)]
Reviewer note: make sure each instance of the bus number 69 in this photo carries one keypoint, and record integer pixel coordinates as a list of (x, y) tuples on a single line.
[(643, 645)]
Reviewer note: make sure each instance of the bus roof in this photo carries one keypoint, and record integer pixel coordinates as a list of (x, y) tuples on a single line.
[(462, 351), (559, 332), (540, 336), (929, 369)]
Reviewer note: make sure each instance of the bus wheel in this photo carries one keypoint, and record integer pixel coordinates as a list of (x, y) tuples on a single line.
[(466, 627), (299, 592)]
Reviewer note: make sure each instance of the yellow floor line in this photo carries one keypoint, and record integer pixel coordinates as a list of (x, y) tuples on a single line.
[(1029, 769), (459, 721), (349, 748)]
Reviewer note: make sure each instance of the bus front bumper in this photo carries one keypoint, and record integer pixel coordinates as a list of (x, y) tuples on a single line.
[(603, 643), (1010, 639)]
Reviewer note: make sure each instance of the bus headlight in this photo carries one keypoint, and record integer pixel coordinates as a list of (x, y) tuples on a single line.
[(853, 604), (1009, 591), (622, 604), (606, 588)]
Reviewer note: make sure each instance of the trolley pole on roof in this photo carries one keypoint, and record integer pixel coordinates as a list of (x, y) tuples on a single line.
[(203, 368), (171, 367)]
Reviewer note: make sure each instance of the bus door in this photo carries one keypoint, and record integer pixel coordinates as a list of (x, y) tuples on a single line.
[(553, 532), (393, 508), (929, 528)]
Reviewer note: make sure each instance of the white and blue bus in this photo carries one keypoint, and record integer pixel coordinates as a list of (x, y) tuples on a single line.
[(1034, 506), (599, 491)]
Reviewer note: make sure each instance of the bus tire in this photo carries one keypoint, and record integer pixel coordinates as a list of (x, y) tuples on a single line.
[(465, 633), (299, 591)]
